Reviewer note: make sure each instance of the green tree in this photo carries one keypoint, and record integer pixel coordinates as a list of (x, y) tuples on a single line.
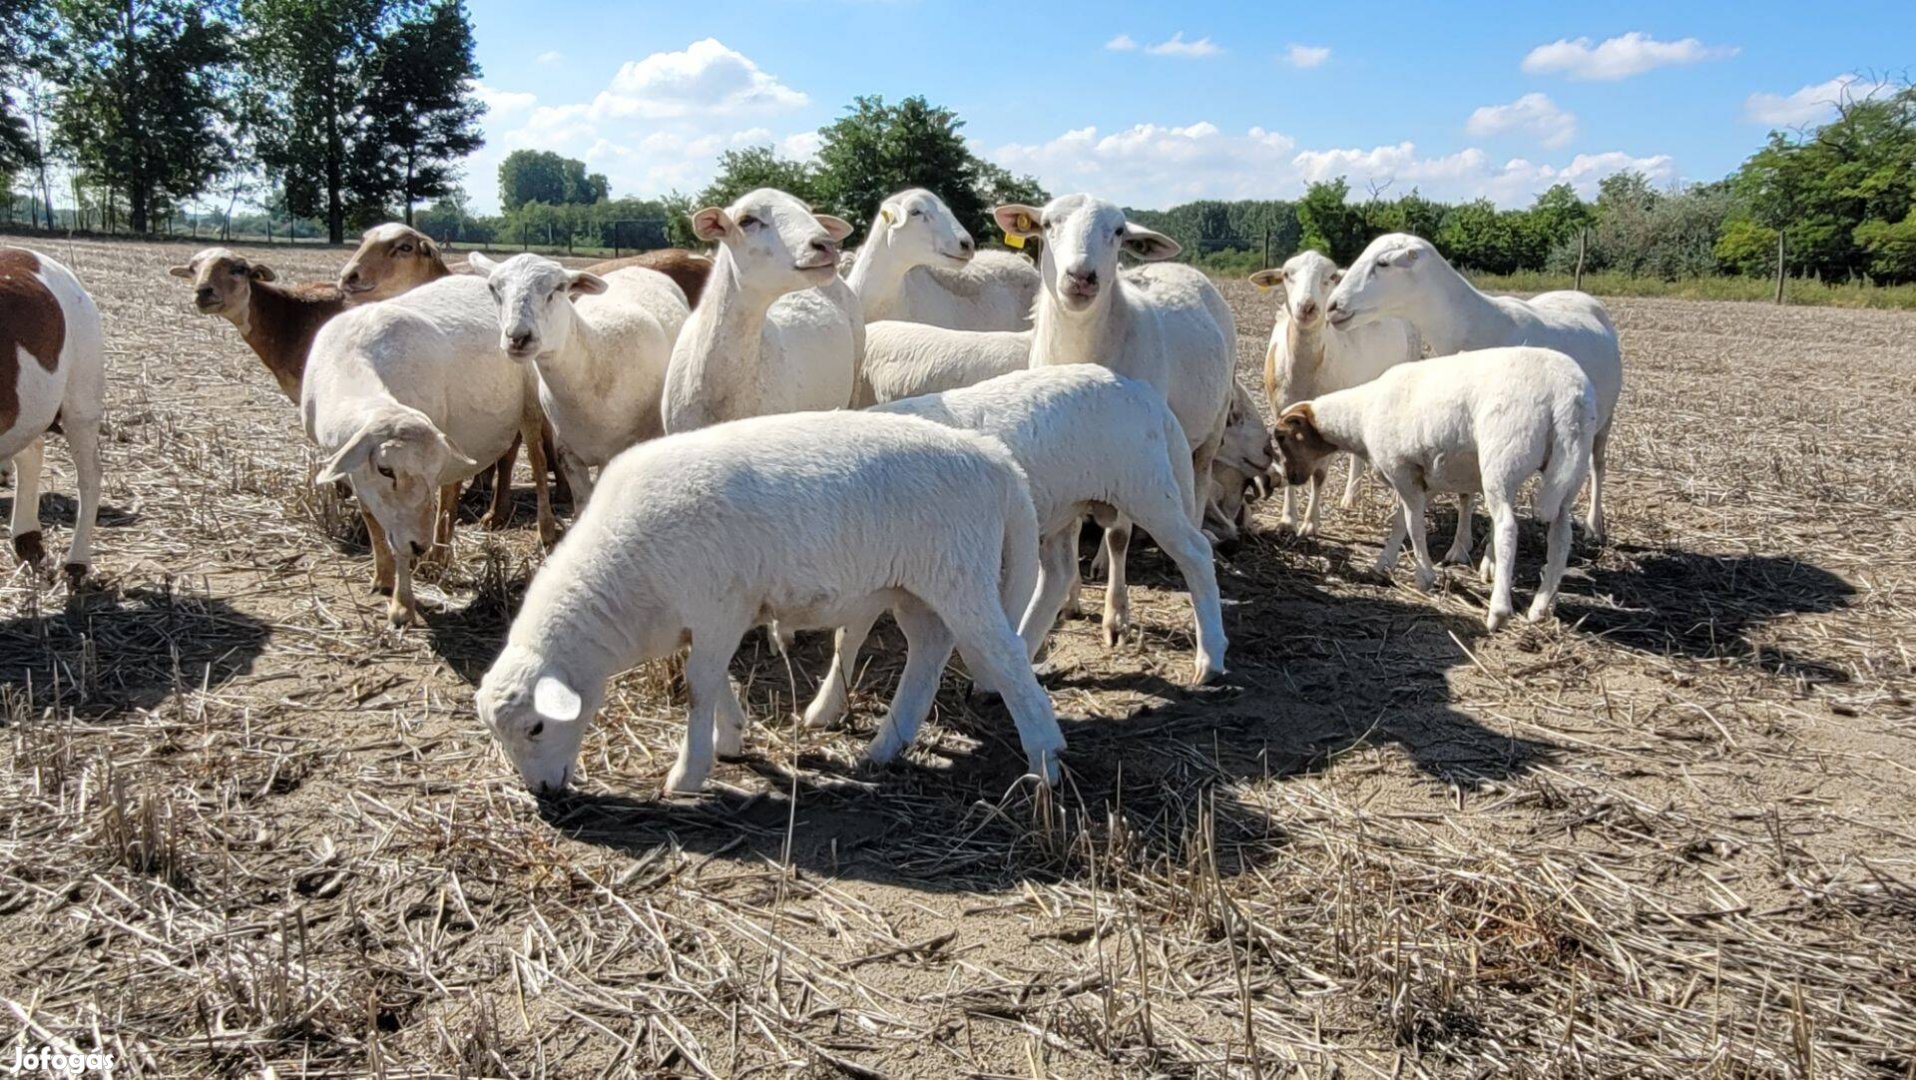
[(754, 167), (21, 22), (1475, 236), (420, 115), (145, 99), (1891, 247), (319, 65), (541, 176), (1746, 247), (876, 149), (1330, 223)]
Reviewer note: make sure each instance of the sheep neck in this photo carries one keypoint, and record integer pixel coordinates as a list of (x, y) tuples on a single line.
[(877, 278), (1453, 316), (279, 326), (726, 332), (1339, 418), (1091, 336), (1306, 348)]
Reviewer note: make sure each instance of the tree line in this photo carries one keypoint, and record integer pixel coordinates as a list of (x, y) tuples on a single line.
[(350, 111)]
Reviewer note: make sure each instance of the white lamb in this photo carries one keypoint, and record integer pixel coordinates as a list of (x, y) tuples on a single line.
[(52, 378), (809, 519), (1474, 423), (906, 359), (1306, 358), (920, 265), (1242, 460), (1166, 326), (1090, 442), (1404, 276), (600, 347), (777, 330), (408, 397)]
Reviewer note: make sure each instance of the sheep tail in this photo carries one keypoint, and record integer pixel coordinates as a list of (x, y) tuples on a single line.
[(1018, 556), (1573, 428), (1182, 472)]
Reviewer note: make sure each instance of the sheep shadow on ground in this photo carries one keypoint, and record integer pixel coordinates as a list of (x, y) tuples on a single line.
[(60, 509), (112, 650), (1314, 677)]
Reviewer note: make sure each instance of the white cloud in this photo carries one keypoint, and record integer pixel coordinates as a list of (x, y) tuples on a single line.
[(1306, 56), (499, 102), (550, 56), (1619, 57), (1815, 104), (1532, 114), (1175, 45), (1160, 166), (659, 124), (1121, 43)]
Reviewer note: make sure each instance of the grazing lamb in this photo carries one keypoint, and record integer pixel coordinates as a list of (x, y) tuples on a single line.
[(1404, 276), (920, 265), (777, 330), (689, 270), (808, 519), (906, 359), (278, 322), (1306, 358), (52, 378), (392, 259), (406, 398), (1242, 460), (1167, 326), (1090, 442), (1478, 423), (600, 346)]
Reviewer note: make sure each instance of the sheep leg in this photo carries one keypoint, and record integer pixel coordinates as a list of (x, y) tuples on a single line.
[(403, 608), (707, 684), (828, 705), (1309, 528), (928, 645), (28, 544), (1117, 595), (443, 523), (1462, 542), (499, 514), (1287, 517), (382, 552), (1188, 548), (1350, 482), (728, 724), (1073, 608), (1556, 557), (1503, 537), (1599, 453), (995, 657), (1394, 541), (1413, 500), (536, 454), (1056, 558), (578, 476), (83, 441)]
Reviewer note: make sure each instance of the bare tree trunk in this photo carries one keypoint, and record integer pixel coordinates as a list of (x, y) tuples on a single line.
[(1779, 266)]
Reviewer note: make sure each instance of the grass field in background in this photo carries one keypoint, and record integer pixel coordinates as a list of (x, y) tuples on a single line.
[(1796, 290)]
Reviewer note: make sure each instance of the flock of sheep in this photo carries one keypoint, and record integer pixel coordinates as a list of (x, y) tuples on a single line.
[(753, 439)]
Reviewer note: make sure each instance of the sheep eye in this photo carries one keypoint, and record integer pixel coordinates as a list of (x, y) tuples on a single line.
[(404, 248), (747, 222), (917, 213), (386, 472), (536, 730)]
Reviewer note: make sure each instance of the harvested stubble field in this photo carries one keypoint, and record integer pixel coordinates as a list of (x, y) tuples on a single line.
[(248, 828)]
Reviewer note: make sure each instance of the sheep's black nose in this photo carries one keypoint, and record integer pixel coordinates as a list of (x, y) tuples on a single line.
[(967, 245), (418, 548), (204, 294), (519, 342)]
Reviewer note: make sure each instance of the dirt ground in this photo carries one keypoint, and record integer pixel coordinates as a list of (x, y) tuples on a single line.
[(249, 828)]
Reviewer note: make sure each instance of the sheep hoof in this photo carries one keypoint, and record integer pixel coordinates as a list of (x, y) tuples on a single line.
[(1114, 629), (1382, 568), (401, 615), (1496, 618), (1539, 611), (381, 588), (1307, 530), (679, 781), (1457, 556), (29, 548), (1207, 670), (1426, 580), (76, 575), (1042, 762)]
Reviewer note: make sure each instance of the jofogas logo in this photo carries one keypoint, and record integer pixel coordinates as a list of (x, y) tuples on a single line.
[(48, 1061)]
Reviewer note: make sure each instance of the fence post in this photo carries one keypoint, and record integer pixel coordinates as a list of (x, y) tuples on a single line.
[(615, 238), (1583, 243), (1779, 266), (524, 244)]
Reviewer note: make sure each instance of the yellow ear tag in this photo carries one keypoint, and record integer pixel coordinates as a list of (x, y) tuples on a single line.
[(1014, 240), (886, 214)]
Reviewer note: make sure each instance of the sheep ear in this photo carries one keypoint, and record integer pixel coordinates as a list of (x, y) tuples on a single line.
[(839, 228), (459, 460), (580, 283), (885, 214), (262, 272), (1149, 245), (711, 224), (1400, 257), (481, 263), (427, 248), (1267, 279), (180, 271), (555, 701), (354, 455), (1017, 219)]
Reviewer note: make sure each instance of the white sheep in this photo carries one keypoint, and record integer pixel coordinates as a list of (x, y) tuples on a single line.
[(918, 264), (808, 519), (1478, 422), (1167, 326), (777, 330), (600, 346), (906, 359), (1306, 358), (1243, 458), (52, 378), (1090, 442), (1403, 276), (408, 397)]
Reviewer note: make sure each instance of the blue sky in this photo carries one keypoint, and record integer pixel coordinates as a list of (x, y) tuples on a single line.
[(1154, 104)]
